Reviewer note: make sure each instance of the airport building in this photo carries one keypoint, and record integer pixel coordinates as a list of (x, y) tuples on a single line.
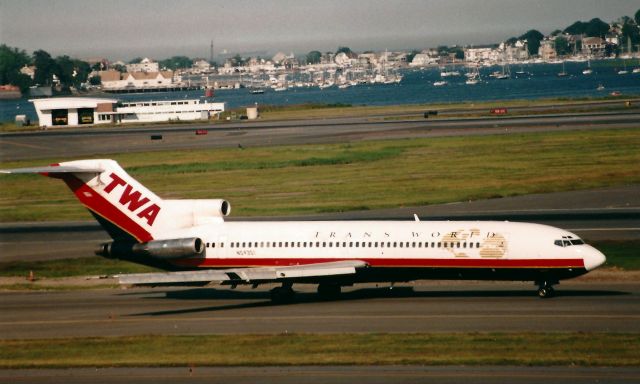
[(75, 111), (71, 111)]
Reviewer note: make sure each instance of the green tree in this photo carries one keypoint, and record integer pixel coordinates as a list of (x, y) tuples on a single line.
[(576, 28), (596, 28), (636, 17), (346, 50), (630, 32), (562, 46), (176, 62), (533, 38), (95, 80), (135, 60), (313, 57), (71, 72), (45, 67), (64, 70), (511, 41), (11, 60), (593, 28)]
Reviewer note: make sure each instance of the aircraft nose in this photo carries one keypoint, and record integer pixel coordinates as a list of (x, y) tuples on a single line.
[(593, 258)]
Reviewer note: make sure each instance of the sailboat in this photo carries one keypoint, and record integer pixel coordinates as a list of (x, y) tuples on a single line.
[(506, 73), (588, 71), (473, 77), (623, 71), (564, 72)]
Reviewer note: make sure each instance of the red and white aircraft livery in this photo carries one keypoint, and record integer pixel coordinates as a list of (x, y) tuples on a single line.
[(191, 239)]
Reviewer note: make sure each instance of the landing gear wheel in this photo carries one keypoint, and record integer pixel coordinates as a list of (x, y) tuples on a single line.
[(281, 295), (546, 291), (329, 291)]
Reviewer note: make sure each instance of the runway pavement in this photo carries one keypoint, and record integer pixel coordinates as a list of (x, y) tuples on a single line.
[(67, 143), (329, 375), (582, 305)]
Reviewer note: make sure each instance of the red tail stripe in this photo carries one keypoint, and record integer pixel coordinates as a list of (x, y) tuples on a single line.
[(92, 200)]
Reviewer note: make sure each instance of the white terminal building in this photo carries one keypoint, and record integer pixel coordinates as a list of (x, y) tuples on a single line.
[(74, 111)]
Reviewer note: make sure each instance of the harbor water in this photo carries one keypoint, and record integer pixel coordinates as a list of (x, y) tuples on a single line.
[(539, 81)]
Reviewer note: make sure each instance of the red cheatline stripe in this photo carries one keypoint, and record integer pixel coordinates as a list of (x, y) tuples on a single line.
[(101, 206), (388, 262)]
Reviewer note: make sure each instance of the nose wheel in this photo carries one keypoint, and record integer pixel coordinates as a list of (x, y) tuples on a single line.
[(545, 290)]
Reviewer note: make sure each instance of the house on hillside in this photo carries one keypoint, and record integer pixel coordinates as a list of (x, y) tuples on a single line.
[(114, 80), (547, 50), (594, 46), (146, 65)]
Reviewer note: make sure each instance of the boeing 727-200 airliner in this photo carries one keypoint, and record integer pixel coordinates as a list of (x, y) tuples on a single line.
[(191, 240)]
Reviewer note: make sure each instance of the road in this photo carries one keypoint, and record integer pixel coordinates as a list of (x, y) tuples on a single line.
[(67, 143)]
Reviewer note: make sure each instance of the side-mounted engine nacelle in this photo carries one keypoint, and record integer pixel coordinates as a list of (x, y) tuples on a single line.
[(159, 249)]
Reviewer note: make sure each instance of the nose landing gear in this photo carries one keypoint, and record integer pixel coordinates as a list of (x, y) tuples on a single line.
[(545, 289)]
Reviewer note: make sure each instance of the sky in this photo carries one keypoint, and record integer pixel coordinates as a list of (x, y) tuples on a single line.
[(124, 29)]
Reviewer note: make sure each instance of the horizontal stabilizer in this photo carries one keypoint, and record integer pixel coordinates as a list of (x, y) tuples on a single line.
[(246, 275), (55, 169)]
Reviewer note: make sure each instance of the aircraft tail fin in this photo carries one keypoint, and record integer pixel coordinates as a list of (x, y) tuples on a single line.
[(123, 206)]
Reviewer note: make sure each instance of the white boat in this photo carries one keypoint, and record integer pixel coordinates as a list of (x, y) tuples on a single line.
[(472, 81), (588, 71), (449, 73), (440, 83), (623, 71), (563, 73)]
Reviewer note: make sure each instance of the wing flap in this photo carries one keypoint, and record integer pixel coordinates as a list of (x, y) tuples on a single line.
[(246, 275)]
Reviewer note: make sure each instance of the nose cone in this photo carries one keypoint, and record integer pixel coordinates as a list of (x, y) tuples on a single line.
[(593, 258)]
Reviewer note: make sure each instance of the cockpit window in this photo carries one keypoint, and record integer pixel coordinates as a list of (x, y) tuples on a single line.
[(567, 241)]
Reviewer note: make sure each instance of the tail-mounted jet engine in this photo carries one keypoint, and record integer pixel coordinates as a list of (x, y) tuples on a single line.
[(159, 249)]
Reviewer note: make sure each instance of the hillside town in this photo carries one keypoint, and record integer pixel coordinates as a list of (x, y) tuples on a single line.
[(582, 42)]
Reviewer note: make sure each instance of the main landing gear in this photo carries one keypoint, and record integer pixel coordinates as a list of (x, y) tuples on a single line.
[(282, 295), (545, 289), (328, 291)]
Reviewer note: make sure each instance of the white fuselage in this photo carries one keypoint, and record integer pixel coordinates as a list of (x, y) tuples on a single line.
[(393, 244)]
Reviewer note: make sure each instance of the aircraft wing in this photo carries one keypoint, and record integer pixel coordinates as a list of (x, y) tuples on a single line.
[(245, 275), (54, 169)]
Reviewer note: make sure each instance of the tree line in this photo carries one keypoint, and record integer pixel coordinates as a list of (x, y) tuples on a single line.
[(63, 70), (630, 31)]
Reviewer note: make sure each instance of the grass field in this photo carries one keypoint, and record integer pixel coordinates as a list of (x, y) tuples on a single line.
[(284, 180), (537, 349)]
